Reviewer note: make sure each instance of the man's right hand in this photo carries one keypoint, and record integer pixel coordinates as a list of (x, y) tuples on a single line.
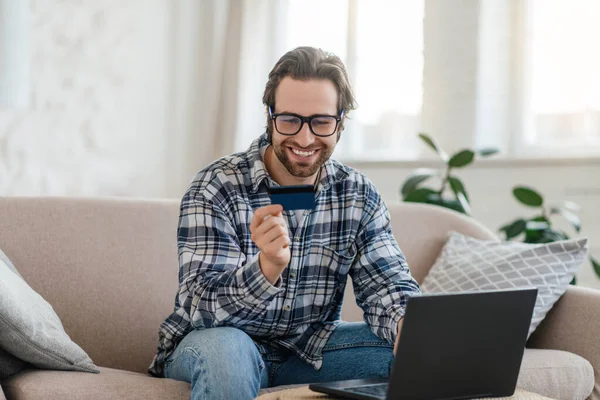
[(271, 237)]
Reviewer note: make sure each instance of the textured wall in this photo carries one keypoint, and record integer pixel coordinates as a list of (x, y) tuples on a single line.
[(97, 119)]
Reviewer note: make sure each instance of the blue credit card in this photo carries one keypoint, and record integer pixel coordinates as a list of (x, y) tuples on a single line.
[(297, 197)]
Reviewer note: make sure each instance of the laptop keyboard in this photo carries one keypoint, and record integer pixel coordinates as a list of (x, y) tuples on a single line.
[(379, 390)]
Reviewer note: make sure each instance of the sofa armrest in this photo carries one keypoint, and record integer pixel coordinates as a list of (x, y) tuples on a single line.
[(573, 325)]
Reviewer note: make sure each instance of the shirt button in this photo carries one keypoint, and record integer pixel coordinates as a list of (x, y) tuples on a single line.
[(292, 275), (287, 307)]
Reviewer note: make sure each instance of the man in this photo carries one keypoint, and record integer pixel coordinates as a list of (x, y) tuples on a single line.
[(260, 289)]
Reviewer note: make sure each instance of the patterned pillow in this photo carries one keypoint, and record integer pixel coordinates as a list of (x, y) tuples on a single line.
[(467, 264)]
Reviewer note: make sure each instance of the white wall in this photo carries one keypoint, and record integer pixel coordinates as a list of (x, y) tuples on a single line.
[(97, 120)]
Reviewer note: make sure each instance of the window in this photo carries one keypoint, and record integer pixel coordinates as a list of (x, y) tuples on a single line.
[(520, 75), (381, 43), (563, 97)]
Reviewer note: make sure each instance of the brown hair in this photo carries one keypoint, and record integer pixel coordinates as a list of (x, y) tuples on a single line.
[(305, 63)]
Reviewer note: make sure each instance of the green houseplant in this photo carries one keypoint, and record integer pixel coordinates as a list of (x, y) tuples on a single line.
[(452, 192), (538, 228)]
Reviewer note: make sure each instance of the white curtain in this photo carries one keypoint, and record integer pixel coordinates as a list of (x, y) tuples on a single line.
[(223, 51), (14, 53)]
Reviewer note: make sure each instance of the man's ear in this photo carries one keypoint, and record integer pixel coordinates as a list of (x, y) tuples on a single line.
[(270, 126), (341, 127)]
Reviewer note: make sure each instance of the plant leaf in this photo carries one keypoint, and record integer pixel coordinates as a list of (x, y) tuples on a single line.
[(487, 152), (573, 219), (532, 236), (536, 228), (541, 218), (457, 186), (528, 196), (514, 229), (438, 200), (419, 195), (453, 205), (548, 235), (415, 178), (596, 266), (462, 199), (461, 194), (431, 143), (461, 159), (556, 234)]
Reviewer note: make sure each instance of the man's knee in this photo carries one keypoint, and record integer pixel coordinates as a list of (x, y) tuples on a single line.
[(220, 363), (224, 344)]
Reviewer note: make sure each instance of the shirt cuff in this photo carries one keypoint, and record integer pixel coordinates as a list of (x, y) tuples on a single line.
[(257, 287), (396, 314)]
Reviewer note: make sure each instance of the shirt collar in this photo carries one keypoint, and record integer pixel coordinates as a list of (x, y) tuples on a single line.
[(332, 171)]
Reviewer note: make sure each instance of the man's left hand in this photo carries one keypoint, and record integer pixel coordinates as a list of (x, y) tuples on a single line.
[(398, 335)]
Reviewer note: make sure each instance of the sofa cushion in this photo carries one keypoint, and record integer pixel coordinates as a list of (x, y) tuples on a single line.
[(467, 264), (556, 374), (110, 383), (30, 329)]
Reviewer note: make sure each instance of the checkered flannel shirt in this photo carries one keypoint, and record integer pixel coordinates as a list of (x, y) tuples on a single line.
[(220, 280)]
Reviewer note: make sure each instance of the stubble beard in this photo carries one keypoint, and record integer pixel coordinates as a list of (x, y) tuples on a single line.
[(302, 170)]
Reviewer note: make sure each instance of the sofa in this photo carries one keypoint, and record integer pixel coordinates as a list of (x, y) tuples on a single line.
[(108, 266)]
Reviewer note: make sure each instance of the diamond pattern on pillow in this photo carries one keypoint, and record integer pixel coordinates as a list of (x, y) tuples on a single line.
[(467, 264)]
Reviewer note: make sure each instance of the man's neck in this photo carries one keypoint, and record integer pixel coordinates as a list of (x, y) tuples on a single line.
[(280, 174)]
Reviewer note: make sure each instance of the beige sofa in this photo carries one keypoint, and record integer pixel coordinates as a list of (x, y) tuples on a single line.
[(109, 268)]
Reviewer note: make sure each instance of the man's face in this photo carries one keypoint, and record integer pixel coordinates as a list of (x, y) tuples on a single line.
[(305, 98)]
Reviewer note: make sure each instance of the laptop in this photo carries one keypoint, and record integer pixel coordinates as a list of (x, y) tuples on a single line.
[(452, 346)]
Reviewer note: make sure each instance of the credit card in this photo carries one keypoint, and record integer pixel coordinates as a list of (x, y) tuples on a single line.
[(296, 197)]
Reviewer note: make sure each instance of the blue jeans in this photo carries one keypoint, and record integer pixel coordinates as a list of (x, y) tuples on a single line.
[(224, 363)]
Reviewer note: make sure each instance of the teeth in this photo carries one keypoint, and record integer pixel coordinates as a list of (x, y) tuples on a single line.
[(303, 153)]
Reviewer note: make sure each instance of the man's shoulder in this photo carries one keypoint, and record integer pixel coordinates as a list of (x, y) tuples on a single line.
[(229, 172), (353, 176)]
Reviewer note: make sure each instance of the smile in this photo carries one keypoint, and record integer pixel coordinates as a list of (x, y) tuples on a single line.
[(303, 153)]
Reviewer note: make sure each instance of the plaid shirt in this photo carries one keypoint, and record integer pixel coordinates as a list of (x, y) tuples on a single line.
[(220, 280)]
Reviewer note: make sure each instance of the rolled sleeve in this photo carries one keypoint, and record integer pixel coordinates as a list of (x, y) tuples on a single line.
[(382, 279), (259, 290)]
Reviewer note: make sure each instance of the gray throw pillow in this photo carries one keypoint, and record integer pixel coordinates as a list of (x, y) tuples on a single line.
[(30, 329), (467, 264), (4, 258), (10, 365)]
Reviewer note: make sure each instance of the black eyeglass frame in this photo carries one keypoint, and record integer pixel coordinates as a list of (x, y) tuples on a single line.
[(308, 120)]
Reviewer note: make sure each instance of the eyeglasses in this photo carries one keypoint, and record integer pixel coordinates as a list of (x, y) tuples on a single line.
[(322, 125)]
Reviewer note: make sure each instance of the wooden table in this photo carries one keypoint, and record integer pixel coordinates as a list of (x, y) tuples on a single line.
[(304, 393)]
